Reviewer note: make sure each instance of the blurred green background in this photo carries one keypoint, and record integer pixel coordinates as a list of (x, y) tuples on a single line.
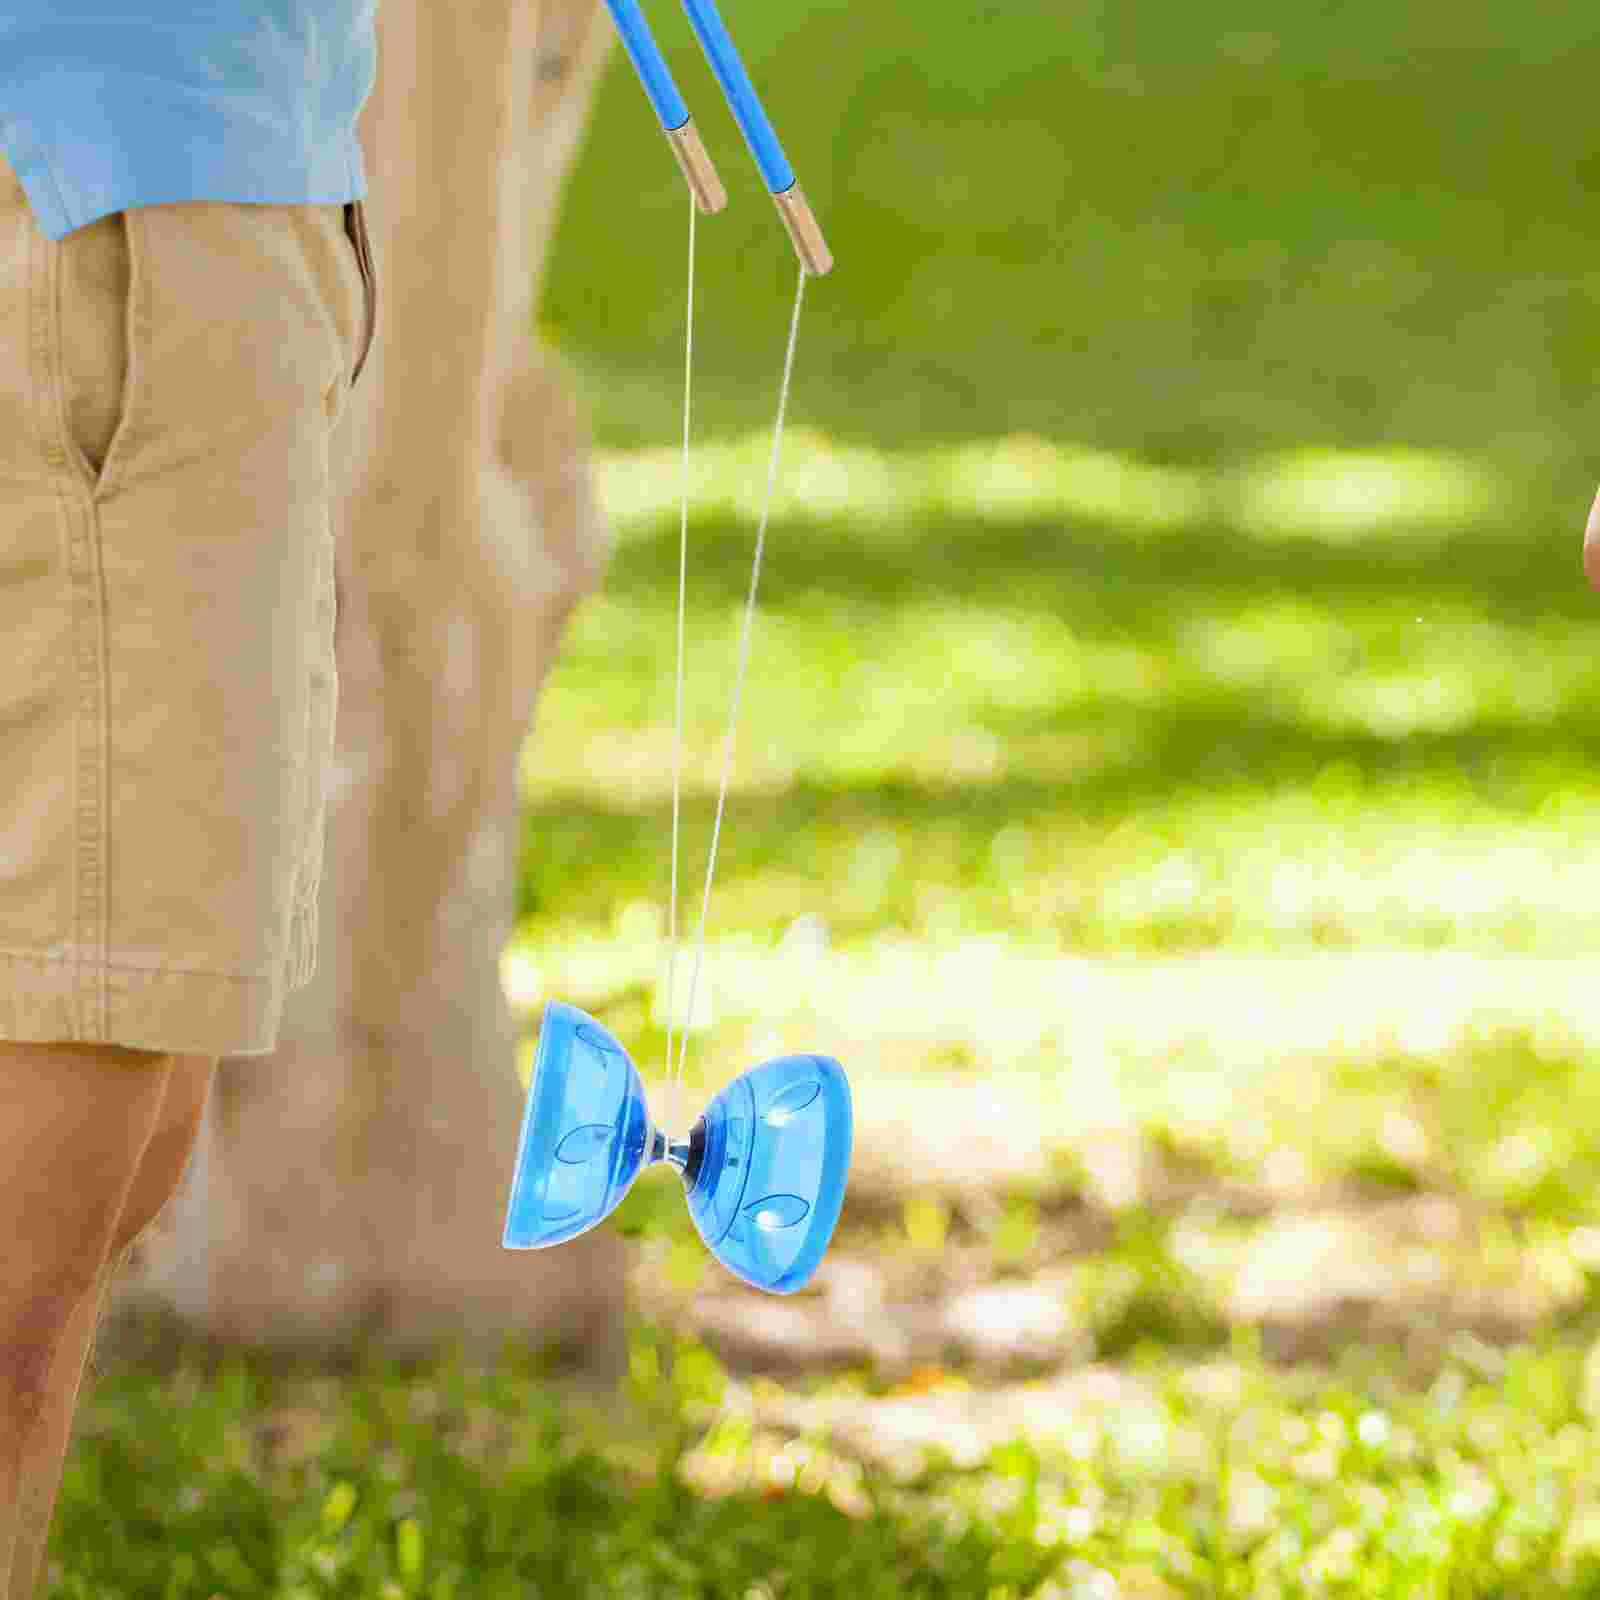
[(1188, 234), (1167, 779), (1178, 538)]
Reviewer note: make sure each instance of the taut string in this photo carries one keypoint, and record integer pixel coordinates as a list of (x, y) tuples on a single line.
[(738, 691), (677, 735)]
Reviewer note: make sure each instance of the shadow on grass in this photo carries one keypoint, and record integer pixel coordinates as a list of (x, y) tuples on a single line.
[(1104, 581)]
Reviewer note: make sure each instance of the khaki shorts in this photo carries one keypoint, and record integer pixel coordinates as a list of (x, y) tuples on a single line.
[(170, 381)]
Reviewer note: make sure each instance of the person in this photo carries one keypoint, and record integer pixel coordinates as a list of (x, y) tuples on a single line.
[(1591, 545), (187, 298)]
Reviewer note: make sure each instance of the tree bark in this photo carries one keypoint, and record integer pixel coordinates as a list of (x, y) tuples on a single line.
[(351, 1188)]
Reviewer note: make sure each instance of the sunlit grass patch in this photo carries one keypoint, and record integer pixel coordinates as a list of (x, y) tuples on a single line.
[(1338, 497), (1509, 1116), (1223, 1474), (1343, 497), (1031, 1009)]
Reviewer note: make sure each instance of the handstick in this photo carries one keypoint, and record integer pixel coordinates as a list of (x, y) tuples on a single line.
[(669, 105), (745, 104)]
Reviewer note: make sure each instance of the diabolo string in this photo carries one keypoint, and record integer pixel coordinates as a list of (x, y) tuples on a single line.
[(681, 1031)]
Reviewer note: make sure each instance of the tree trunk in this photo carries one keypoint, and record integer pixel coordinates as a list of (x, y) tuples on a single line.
[(351, 1187)]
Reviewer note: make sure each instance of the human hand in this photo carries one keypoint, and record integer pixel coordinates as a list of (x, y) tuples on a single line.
[(1591, 545)]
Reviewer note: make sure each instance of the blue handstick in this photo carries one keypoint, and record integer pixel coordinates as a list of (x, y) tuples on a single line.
[(653, 70), (754, 123), (764, 1170), (743, 100), (669, 105)]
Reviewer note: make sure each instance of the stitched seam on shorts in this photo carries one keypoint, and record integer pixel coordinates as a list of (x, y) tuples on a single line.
[(34, 958), (85, 597)]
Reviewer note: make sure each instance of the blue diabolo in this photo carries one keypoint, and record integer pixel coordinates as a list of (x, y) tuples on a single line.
[(764, 1170)]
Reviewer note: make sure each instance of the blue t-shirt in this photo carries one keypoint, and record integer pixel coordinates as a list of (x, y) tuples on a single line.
[(110, 104)]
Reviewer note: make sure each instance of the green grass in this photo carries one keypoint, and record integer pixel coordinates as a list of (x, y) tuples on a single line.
[(1226, 1477), (1175, 565), (457, 1483)]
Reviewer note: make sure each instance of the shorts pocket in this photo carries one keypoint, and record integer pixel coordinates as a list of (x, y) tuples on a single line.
[(95, 266), (355, 226)]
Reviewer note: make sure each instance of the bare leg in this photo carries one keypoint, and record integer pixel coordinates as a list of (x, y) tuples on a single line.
[(160, 1171), (45, 1450), (77, 1122)]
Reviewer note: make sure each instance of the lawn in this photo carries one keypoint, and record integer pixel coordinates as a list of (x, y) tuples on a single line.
[(1167, 779)]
